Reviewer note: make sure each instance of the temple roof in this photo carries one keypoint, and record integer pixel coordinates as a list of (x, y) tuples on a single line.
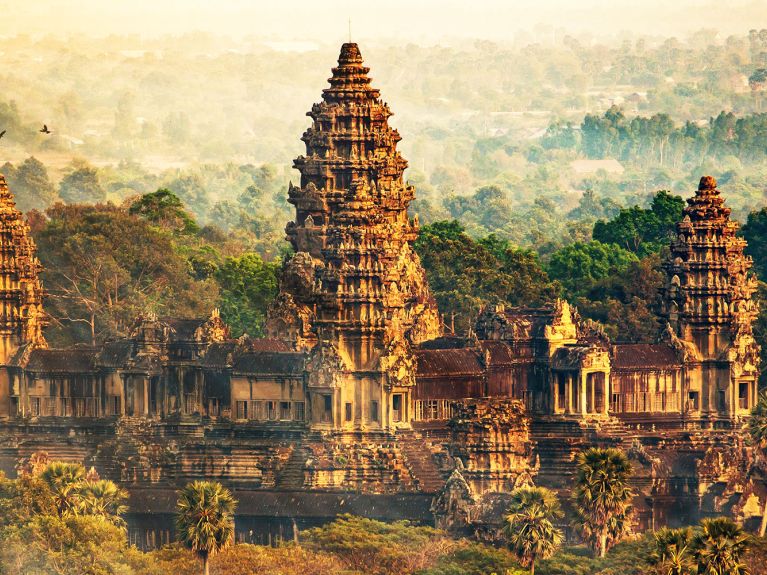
[(448, 362), (7, 201), (115, 353), (270, 362), (75, 360), (644, 356), (350, 78)]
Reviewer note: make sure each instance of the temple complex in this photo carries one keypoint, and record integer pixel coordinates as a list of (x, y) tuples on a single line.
[(356, 402)]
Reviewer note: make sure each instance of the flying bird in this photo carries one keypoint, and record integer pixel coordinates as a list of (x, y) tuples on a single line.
[(45, 129), (2, 133)]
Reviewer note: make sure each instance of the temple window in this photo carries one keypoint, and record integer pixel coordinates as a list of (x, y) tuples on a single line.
[(271, 410), (694, 400), (743, 395), (396, 404), (113, 405), (285, 410), (348, 411), (374, 410), (242, 410), (256, 410), (327, 412), (298, 411)]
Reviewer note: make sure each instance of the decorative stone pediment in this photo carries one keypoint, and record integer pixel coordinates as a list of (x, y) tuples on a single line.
[(288, 320), (213, 330), (325, 366), (398, 363)]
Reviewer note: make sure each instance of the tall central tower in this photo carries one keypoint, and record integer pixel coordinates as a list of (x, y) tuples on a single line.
[(354, 292)]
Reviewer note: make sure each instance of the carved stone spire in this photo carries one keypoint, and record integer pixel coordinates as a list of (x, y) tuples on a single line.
[(21, 308), (708, 292), (707, 301), (355, 278)]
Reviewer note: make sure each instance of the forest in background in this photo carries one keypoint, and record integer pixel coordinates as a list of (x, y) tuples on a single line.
[(544, 169)]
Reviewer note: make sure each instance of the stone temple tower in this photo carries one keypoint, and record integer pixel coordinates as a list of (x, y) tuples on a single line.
[(707, 303), (354, 293), (21, 308)]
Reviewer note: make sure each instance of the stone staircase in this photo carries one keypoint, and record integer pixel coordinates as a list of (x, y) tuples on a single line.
[(420, 461), (292, 474), (559, 440)]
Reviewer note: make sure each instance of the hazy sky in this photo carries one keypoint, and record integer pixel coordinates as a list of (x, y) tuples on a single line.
[(415, 20)]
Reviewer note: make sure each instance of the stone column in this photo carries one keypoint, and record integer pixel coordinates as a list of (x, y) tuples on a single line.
[(554, 393), (607, 390), (583, 389)]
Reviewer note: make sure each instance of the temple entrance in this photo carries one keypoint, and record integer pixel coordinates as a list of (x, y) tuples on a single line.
[(743, 402), (396, 407), (327, 409), (561, 393), (596, 392)]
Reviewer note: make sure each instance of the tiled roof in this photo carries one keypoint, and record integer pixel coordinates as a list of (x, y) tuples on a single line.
[(270, 362), (444, 362), (644, 355), (75, 360), (115, 353), (219, 354)]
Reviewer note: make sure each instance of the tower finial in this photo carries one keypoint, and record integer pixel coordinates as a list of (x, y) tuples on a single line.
[(350, 30)]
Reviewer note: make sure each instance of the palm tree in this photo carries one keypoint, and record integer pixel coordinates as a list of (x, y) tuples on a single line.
[(719, 546), (673, 553), (64, 479), (205, 518), (757, 431), (602, 497), (529, 525), (104, 498)]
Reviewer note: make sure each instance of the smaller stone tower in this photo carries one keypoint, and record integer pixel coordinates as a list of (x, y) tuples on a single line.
[(708, 306), (21, 305)]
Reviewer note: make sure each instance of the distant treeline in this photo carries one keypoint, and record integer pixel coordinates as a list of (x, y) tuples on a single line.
[(659, 140)]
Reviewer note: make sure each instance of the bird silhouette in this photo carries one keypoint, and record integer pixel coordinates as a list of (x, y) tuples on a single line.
[(45, 129), (2, 133)]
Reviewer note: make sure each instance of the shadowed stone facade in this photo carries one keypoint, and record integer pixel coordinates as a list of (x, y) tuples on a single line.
[(355, 402)]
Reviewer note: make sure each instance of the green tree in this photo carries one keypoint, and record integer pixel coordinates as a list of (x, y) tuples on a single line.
[(643, 231), (673, 553), (82, 186), (30, 185), (719, 547), (755, 233), (205, 519), (165, 209), (625, 303), (465, 274), (376, 548), (104, 267), (529, 525), (602, 497), (104, 498), (64, 480), (580, 265), (248, 285), (757, 433)]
